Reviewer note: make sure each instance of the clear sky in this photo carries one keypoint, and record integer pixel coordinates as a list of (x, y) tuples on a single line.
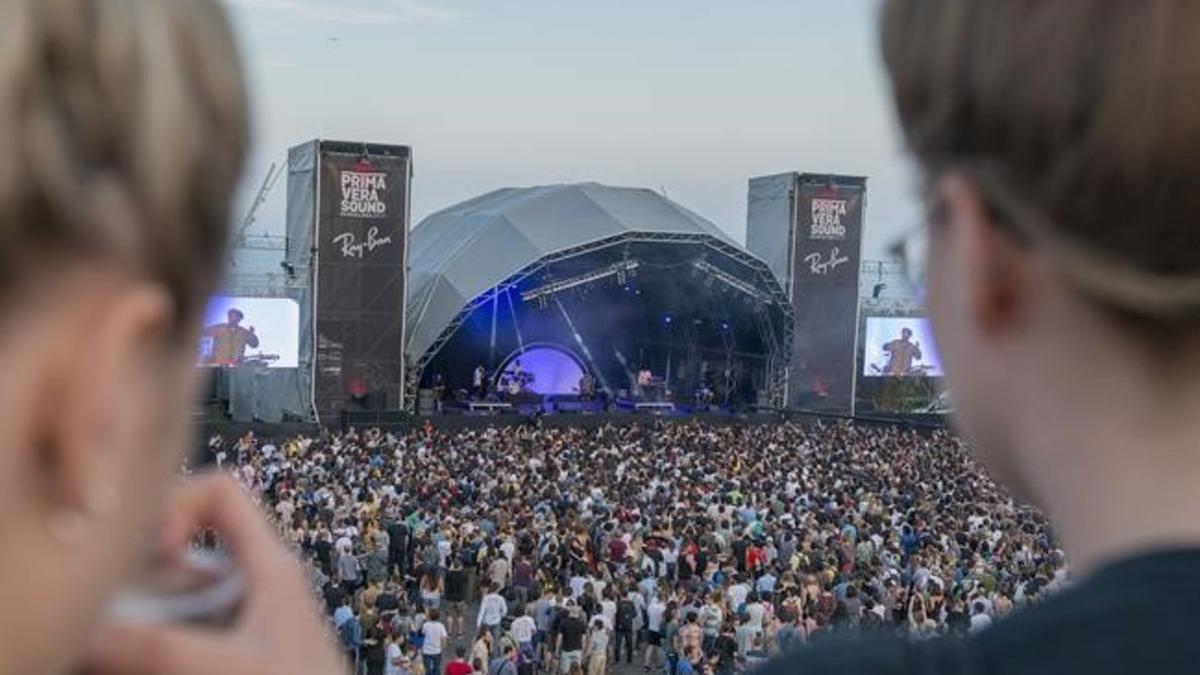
[(691, 97)]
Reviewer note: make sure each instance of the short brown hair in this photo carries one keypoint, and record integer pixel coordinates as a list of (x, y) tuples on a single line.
[(1089, 108), (123, 128)]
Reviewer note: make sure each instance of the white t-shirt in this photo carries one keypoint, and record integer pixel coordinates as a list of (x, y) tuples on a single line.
[(393, 653), (608, 612), (755, 612), (737, 595), (576, 583), (979, 622), (491, 610), (435, 637), (522, 629), (670, 555), (285, 509), (654, 615)]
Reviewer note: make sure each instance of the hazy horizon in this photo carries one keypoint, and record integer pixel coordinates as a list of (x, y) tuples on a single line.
[(690, 99)]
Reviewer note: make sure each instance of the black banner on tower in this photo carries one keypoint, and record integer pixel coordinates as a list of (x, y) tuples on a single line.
[(826, 254), (361, 261)]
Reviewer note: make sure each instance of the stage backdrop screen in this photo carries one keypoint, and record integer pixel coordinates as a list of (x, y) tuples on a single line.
[(900, 347), (250, 331), (826, 241), (549, 370), (362, 227)]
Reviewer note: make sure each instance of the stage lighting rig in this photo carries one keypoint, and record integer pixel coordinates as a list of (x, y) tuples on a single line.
[(713, 272), (621, 271)]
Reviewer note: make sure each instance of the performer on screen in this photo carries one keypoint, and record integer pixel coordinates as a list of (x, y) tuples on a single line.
[(229, 340), (902, 353)]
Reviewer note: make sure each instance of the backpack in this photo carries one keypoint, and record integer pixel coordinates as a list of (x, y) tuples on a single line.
[(431, 557), (557, 614), (625, 614), (469, 555), (501, 666), (350, 635)]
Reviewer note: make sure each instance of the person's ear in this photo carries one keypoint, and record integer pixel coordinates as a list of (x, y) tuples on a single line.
[(83, 422), (991, 263)]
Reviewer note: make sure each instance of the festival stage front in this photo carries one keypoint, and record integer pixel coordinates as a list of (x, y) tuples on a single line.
[(589, 298)]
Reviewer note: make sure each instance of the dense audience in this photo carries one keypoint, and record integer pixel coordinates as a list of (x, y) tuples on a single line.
[(677, 547)]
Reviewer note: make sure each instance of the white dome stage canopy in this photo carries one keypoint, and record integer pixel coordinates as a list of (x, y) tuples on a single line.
[(623, 277)]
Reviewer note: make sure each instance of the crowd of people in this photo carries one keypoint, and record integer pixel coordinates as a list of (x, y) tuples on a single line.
[(677, 548)]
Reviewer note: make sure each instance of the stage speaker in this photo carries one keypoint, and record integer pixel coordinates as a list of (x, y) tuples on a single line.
[(808, 228), (426, 403), (376, 400), (764, 399), (347, 224)]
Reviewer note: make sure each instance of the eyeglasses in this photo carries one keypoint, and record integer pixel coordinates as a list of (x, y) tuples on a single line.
[(1096, 273), (911, 249)]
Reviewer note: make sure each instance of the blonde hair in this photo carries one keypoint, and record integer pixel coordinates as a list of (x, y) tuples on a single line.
[(1076, 119), (123, 125)]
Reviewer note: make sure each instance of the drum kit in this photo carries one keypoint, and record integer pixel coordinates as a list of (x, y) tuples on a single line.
[(260, 360), (515, 383), (919, 370)]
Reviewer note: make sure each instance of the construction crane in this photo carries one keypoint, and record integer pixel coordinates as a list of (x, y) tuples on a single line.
[(241, 239)]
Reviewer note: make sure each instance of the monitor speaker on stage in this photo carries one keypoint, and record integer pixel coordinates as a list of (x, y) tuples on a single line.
[(348, 222), (808, 229)]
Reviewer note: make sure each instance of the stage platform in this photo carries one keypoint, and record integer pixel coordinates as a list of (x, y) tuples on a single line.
[(655, 408), (401, 421), (489, 407)]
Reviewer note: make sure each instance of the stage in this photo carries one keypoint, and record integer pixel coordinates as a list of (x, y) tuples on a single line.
[(402, 422)]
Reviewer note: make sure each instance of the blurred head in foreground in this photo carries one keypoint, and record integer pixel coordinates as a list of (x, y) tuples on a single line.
[(1060, 146), (123, 130)]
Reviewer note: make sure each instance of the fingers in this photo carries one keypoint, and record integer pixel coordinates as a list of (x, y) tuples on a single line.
[(164, 651), (216, 501)]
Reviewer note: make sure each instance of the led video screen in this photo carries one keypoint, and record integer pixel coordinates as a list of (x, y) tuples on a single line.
[(263, 332), (900, 347)]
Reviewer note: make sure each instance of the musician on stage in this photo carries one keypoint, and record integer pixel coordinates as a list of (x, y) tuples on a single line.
[(439, 391), (902, 353), (513, 380), (587, 387), (477, 382), (229, 340), (645, 378)]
